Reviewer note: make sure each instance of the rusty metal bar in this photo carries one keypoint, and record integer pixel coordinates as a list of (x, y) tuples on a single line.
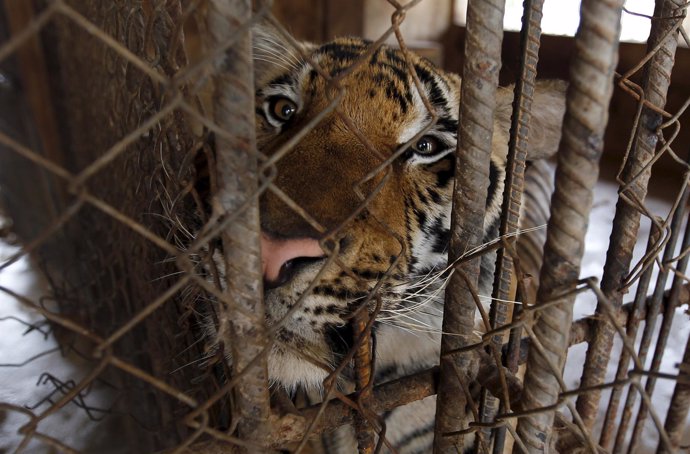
[(385, 397), (475, 131), (639, 306), (653, 310), (238, 182), (675, 424), (512, 194), (591, 75), (634, 179), (418, 386), (363, 379), (291, 427), (668, 313), (582, 329)]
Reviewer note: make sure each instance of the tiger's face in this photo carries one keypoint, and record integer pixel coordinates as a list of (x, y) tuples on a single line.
[(361, 197)]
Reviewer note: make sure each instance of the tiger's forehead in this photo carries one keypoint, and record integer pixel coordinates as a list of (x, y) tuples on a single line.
[(385, 70), (379, 94)]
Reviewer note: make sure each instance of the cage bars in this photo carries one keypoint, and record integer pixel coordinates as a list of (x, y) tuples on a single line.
[(668, 315), (636, 313), (512, 199), (680, 405), (237, 167), (651, 317), (364, 382), (289, 427), (477, 106), (581, 146), (634, 179)]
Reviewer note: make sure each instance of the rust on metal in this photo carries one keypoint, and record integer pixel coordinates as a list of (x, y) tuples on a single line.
[(637, 312), (363, 381), (385, 397), (581, 146), (142, 84), (675, 424), (680, 401), (512, 194), (237, 176), (633, 179), (668, 312), (291, 428), (477, 107)]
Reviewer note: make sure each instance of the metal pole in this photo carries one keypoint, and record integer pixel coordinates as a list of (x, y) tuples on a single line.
[(631, 327), (591, 84), (475, 131), (634, 180), (514, 186), (680, 404), (238, 183), (668, 313)]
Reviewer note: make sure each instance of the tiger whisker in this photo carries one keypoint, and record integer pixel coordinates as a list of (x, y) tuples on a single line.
[(489, 297), (266, 40), (190, 363), (272, 62), (416, 303), (489, 243), (403, 328), (276, 57), (398, 316), (413, 327), (176, 273), (417, 308), (293, 61)]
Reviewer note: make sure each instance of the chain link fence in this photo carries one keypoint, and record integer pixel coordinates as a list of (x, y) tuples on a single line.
[(129, 162)]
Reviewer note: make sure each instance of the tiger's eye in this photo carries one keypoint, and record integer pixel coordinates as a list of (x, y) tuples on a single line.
[(282, 109), (426, 145)]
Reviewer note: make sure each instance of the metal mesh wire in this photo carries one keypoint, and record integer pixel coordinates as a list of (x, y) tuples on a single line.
[(139, 163)]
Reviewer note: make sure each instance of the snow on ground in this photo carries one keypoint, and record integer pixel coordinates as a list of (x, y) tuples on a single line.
[(26, 385), (23, 386), (596, 243)]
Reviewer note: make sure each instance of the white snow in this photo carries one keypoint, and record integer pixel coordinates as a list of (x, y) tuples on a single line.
[(26, 385)]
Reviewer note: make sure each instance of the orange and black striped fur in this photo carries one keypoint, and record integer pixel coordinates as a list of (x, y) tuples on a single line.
[(397, 243)]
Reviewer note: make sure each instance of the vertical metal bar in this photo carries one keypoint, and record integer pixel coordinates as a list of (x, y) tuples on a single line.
[(590, 90), (475, 131), (627, 218), (669, 312), (632, 324), (667, 319), (653, 309), (675, 424), (363, 375), (238, 183), (514, 185)]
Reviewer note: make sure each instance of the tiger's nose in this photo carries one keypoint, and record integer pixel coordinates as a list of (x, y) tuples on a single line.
[(280, 257)]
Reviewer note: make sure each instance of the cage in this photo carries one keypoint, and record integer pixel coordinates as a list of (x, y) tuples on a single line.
[(161, 160)]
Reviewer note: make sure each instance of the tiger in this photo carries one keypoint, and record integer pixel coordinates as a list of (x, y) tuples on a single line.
[(320, 264)]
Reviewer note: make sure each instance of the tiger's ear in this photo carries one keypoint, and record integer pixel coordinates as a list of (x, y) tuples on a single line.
[(548, 107), (274, 53)]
